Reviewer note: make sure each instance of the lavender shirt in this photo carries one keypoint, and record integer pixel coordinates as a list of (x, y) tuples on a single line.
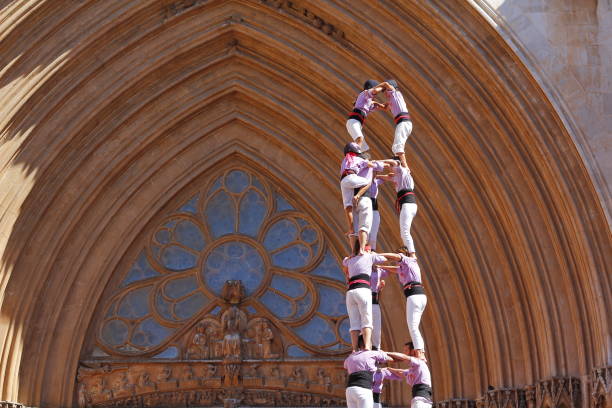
[(365, 360), (377, 275), (362, 263), (396, 102), (365, 102), (403, 178), (380, 376), (409, 270), (373, 191), (359, 165), (418, 373)]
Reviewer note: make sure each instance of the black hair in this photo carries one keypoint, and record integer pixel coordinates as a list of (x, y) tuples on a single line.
[(351, 147), (369, 84), (409, 344), (403, 250), (360, 342)]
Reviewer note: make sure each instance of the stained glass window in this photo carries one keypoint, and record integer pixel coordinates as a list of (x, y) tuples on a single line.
[(239, 227)]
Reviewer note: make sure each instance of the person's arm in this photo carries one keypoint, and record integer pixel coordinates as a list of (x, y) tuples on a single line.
[(396, 371), (390, 268), (395, 356), (380, 106), (392, 257), (345, 270)]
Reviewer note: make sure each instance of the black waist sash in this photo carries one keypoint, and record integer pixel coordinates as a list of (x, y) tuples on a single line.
[(357, 114), (374, 203), (413, 288), (363, 379), (401, 117), (376, 396), (405, 196), (359, 281), (374, 298), (421, 390)]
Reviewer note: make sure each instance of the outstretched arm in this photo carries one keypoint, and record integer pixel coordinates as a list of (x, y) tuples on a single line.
[(390, 268), (392, 257), (398, 356)]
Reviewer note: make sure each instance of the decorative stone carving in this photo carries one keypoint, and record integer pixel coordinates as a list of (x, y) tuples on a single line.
[(558, 392), (601, 388), (297, 10)]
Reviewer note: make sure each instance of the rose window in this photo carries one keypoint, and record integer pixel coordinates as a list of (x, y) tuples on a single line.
[(238, 227)]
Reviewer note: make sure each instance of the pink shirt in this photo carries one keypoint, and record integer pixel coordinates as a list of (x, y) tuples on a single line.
[(380, 376), (365, 101), (358, 164), (418, 373), (365, 360), (373, 191), (403, 178), (362, 264), (377, 275), (409, 270), (396, 102)]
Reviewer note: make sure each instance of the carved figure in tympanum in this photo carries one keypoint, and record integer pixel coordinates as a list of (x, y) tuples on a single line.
[(165, 381)]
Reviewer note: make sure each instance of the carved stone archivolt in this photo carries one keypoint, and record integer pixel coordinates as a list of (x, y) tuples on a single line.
[(601, 387), (226, 360)]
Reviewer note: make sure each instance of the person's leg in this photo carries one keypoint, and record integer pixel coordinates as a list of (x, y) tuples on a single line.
[(415, 306), (402, 132), (407, 214), (352, 307), (365, 312), (374, 230), (365, 221), (352, 400), (354, 128), (376, 329), (365, 398)]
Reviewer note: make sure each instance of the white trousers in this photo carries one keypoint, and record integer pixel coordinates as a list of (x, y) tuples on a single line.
[(374, 230), (407, 213), (358, 397), (359, 307), (377, 323), (402, 131), (363, 216), (377, 405), (420, 402), (348, 185), (354, 129), (415, 306)]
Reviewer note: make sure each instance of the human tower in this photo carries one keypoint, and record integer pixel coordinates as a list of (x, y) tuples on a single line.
[(366, 270)]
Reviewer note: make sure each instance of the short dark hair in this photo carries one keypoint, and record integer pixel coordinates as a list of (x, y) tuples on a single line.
[(393, 83), (403, 250), (360, 342), (409, 344), (369, 84)]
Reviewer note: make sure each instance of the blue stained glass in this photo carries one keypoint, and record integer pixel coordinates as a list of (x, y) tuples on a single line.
[(303, 305), (164, 307), (331, 301), (252, 213), (150, 333), (189, 234), (170, 224), (280, 234), (216, 185), (278, 305), (309, 235), (337, 347), (237, 181), (216, 310), (282, 204), (177, 259), (114, 332), (251, 309), (317, 331), (163, 236), (344, 330), (155, 249), (234, 260), (302, 222), (135, 304), (180, 287), (289, 286), (296, 352), (329, 268), (140, 270), (221, 214), (294, 257), (190, 306), (170, 352), (258, 184), (190, 206)]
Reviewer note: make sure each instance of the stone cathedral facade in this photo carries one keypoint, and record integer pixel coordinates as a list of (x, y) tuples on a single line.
[(170, 214)]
